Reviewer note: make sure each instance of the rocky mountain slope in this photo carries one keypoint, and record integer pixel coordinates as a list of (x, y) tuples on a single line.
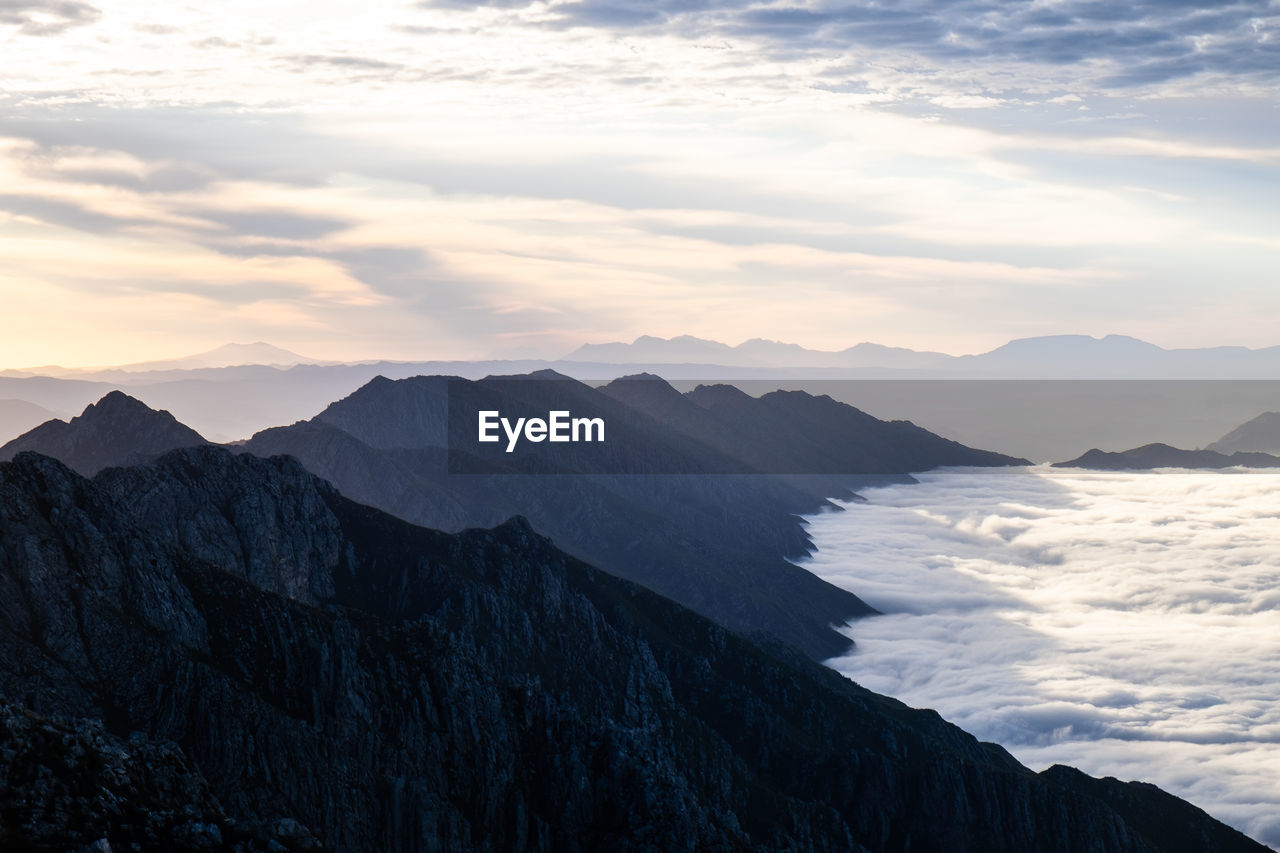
[(338, 677), (116, 430)]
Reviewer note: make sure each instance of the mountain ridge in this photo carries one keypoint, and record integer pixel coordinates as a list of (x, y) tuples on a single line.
[(338, 677), (1157, 455), (1047, 356), (116, 430)]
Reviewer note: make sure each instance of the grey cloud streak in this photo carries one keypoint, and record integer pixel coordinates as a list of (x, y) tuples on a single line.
[(44, 18), (1143, 42)]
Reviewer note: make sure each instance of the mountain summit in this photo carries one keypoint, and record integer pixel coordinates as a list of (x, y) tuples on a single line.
[(116, 430)]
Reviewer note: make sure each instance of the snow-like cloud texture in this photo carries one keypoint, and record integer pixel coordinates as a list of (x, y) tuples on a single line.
[(1125, 623)]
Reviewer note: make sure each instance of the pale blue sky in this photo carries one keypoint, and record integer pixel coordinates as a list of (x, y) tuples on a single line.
[(460, 180)]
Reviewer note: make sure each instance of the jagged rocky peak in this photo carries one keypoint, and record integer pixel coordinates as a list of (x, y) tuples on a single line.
[(116, 430)]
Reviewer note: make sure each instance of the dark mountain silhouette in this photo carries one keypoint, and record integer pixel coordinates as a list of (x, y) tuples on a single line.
[(1259, 435), (117, 430), (718, 543), (796, 432), (264, 664), (1164, 456)]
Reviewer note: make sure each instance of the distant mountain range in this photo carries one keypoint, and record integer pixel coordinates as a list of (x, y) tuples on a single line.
[(1049, 357), (227, 355), (715, 540), (1260, 435), (1163, 456), (1254, 444), (219, 652)]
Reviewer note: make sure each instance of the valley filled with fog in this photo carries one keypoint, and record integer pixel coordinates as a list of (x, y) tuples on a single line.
[(1124, 623)]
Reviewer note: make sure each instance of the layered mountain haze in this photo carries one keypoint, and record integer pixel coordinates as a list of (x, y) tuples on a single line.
[(698, 510), (662, 508), (716, 543), (1163, 456), (1045, 357), (337, 677), (227, 355), (1260, 435), (18, 416)]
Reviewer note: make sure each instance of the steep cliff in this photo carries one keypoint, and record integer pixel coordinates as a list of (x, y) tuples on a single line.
[(338, 676)]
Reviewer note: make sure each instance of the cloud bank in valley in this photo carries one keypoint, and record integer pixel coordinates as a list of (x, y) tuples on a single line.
[(1123, 623)]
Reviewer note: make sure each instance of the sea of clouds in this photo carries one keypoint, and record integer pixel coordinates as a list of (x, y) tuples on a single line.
[(1126, 623)]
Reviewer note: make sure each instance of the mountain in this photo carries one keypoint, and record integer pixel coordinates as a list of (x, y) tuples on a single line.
[(117, 430), (1261, 434), (18, 416), (757, 352), (1164, 456), (684, 348), (793, 432), (662, 504), (1045, 357), (718, 542), (227, 355), (221, 652)]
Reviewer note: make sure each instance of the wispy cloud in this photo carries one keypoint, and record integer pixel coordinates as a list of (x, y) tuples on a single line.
[(46, 17), (932, 175)]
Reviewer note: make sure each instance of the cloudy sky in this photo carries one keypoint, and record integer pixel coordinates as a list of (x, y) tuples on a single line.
[(1123, 623), (450, 179)]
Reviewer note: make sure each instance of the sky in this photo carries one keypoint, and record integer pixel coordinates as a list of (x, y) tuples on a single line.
[(1122, 623), (510, 179)]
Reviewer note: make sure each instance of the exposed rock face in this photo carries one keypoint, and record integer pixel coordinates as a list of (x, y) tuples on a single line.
[(116, 430), (339, 676), (74, 786), (1163, 456)]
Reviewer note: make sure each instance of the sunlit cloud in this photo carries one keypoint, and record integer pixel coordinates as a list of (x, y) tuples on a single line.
[(1123, 623), (456, 171)]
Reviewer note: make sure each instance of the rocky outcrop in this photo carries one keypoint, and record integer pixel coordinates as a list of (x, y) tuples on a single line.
[(339, 677), (116, 430)]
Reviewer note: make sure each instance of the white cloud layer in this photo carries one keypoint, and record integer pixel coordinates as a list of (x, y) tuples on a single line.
[(1124, 623)]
